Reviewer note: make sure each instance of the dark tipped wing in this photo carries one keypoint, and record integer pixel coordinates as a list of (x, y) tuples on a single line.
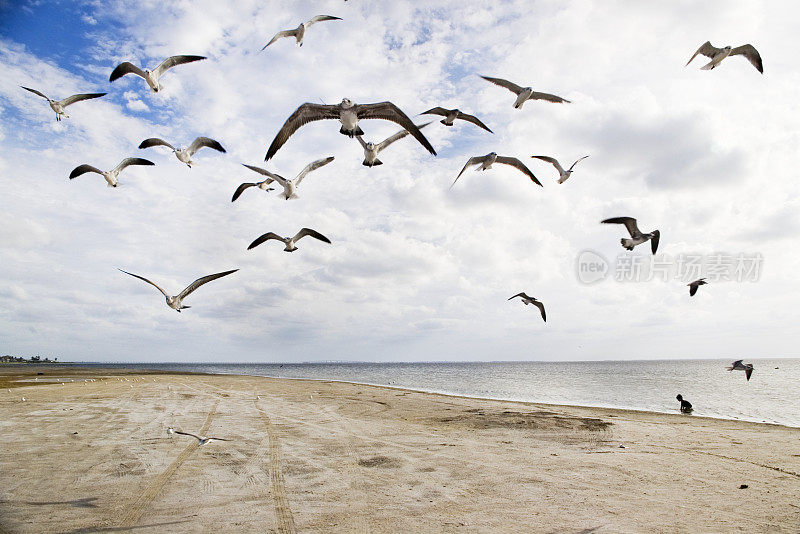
[(172, 62), (523, 295), (654, 241), (264, 237), (514, 88), (82, 169), (514, 162), (541, 309), (707, 49), (314, 165), (240, 190), (195, 436), (320, 18), (629, 222), (155, 141), (433, 111), (201, 142), (306, 113), (149, 282), (577, 160), (471, 161), (390, 112), (132, 161), (271, 176), (693, 288), (77, 98), (34, 91), (204, 280), (313, 233), (752, 55), (535, 95), (748, 371), (552, 161), (473, 119), (125, 68)]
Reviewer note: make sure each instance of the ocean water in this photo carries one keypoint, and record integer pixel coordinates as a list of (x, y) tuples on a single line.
[(771, 396)]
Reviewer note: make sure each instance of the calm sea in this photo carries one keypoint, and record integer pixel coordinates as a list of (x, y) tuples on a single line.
[(772, 395)]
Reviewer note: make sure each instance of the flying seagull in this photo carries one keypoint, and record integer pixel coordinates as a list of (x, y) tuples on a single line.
[(718, 54), (289, 186), (201, 440), (486, 162), (59, 105), (176, 302), (525, 93), (563, 175), (151, 76), (739, 366), (110, 176), (531, 300), (348, 114), (451, 115), (299, 32), (184, 154), (637, 236), (289, 241), (694, 285), (371, 150)]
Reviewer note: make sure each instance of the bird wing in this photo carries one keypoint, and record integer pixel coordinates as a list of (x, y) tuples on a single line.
[(707, 49), (523, 295), (284, 33), (749, 51), (693, 288), (240, 190), (654, 241), (34, 91), (306, 113), (514, 162), (396, 137), (629, 222), (320, 18), (82, 169), (149, 282), (173, 61), (264, 237), (433, 111), (535, 95), (577, 160), (200, 142), (473, 119), (77, 98), (748, 371), (314, 165), (553, 161), (361, 141), (195, 436), (514, 88), (217, 439), (126, 68), (203, 280), (471, 161), (155, 141), (390, 112), (541, 309), (271, 177), (132, 161), (313, 233), (735, 364)]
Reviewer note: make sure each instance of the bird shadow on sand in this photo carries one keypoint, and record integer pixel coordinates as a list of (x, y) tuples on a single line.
[(89, 530), (87, 502)]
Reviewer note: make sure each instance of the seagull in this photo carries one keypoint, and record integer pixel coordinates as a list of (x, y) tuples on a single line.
[(110, 176), (637, 236), (348, 114), (299, 32), (59, 105), (289, 186), (452, 114), (184, 154), (151, 76), (176, 302), (694, 285), (739, 366), (531, 300), (371, 150), (200, 440), (563, 175), (486, 162), (525, 93), (718, 54), (290, 241)]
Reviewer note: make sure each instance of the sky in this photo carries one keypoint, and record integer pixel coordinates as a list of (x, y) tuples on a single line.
[(416, 270)]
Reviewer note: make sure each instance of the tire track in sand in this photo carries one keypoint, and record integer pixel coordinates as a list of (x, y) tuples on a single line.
[(282, 511), (137, 508)]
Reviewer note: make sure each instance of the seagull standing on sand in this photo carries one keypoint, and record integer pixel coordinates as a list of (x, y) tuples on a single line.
[(201, 440), (371, 150), (718, 54), (563, 175), (525, 93), (59, 105), (486, 162), (176, 302), (299, 32), (184, 154), (151, 77), (531, 300), (694, 285), (348, 113), (739, 366), (289, 241), (637, 237), (110, 176), (289, 186), (451, 115)]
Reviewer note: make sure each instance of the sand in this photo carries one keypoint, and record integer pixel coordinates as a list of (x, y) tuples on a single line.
[(312, 456)]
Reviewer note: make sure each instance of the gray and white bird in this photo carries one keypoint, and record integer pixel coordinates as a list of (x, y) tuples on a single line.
[(151, 76), (348, 113), (201, 440), (485, 162), (263, 184), (526, 299), (563, 174), (110, 176), (176, 302), (739, 366), (185, 154), (637, 237), (300, 32), (59, 105), (525, 93), (289, 186), (290, 242), (451, 115), (371, 150), (694, 285), (718, 54)]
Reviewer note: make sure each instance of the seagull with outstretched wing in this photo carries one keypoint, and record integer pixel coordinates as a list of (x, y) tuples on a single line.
[(694, 285), (151, 76), (59, 105), (110, 176), (451, 115), (185, 154), (637, 236), (525, 93), (176, 302), (290, 242), (300, 32), (718, 54), (526, 299), (485, 162), (563, 174), (739, 366), (371, 150), (201, 440)]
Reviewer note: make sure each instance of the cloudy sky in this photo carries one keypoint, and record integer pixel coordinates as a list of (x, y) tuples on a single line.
[(416, 271)]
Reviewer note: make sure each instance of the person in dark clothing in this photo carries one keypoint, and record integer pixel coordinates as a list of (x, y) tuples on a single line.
[(686, 406)]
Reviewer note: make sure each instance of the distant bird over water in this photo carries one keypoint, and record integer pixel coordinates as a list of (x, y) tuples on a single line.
[(525, 93), (151, 77), (718, 54), (739, 366), (300, 32), (110, 176), (694, 285), (451, 115), (637, 237), (201, 440), (290, 242), (371, 150), (531, 300), (59, 105), (176, 302), (563, 175), (486, 162), (184, 154)]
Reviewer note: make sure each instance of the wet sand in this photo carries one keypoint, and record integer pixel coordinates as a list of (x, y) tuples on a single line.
[(311, 456)]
